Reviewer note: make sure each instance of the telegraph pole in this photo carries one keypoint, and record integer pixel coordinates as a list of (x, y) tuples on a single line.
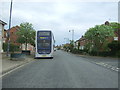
[(72, 34), (8, 33)]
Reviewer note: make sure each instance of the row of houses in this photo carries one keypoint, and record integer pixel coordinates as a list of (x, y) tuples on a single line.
[(82, 41), (13, 37)]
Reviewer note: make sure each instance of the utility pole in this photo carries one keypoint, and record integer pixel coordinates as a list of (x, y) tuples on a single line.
[(72, 34), (8, 33)]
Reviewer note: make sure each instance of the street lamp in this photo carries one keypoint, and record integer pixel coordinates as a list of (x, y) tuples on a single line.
[(72, 34), (8, 48)]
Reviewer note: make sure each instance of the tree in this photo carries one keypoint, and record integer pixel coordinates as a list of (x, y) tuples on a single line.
[(12, 47), (97, 36), (114, 46), (116, 27), (26, 34), (78, 45), (71, 46)]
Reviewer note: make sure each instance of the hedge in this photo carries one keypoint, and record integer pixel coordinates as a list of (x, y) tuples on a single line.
[(76, 51), (12, 47)]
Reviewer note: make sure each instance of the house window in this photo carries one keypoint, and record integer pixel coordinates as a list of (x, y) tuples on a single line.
[(116, 38)]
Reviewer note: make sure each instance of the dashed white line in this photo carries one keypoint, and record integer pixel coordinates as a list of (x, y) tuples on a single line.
[(107, 66), (14, 69)]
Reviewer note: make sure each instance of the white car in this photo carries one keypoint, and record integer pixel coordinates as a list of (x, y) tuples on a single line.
[(55, 49)]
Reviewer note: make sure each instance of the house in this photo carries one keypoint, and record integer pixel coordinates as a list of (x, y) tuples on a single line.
[(83, 42), (76, 43), (80, 44), (13, 38), (29, 47), (116, 32), (2, 24)]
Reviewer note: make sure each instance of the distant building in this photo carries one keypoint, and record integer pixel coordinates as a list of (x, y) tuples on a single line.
[(29, 47), (80, 43), (2, 24), (76, 43)]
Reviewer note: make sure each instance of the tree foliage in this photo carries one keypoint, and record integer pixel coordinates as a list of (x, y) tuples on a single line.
[(114, 46), (71, 46), (26, 34), (12, 47), (116, 27), (97, 36), (78, 45)]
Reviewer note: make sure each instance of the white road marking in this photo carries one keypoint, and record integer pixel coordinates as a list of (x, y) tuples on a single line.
[(107, 66), (13, 69)]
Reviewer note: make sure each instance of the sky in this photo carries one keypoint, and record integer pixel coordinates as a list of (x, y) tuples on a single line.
[(60, 16)]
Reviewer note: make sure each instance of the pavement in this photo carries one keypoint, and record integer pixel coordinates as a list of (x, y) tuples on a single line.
[(65, 70), (9, 64), (108, 62)]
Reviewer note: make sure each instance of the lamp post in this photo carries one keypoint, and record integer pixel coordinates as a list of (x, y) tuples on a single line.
[(72, 41), (72, 34), (8, 48)]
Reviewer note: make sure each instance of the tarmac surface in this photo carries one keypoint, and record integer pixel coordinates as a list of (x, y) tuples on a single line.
[(65, 70)]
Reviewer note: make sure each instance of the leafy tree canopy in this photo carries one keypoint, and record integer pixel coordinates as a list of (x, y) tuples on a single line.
[(115, 25), (26, 34), (98, 35)]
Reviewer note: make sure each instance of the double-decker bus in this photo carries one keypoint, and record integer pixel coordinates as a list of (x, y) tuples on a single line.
[(44, 44)]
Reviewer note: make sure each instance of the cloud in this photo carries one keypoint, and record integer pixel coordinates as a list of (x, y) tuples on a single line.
[(62, 16)]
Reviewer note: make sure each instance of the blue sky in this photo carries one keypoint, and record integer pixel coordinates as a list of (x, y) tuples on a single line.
[(61, 16)]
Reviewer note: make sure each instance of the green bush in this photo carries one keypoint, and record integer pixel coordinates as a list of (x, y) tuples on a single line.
[(12, 47), (93, 53), (104, 53), (77, 51), (114, 47)]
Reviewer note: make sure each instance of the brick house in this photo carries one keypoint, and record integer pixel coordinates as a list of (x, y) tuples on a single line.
[(13, 38), (82, 41)]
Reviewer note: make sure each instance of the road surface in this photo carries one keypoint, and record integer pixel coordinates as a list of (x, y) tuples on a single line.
[(65, 70)]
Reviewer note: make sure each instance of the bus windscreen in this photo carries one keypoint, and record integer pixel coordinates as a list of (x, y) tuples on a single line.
[(44, 33), (44, 43)]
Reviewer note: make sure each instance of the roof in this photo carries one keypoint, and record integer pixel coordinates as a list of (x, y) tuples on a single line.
[(14, 27), (2, 22), (76, 41)]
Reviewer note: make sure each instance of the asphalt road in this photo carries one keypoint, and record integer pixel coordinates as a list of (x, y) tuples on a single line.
[(64, 71)]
